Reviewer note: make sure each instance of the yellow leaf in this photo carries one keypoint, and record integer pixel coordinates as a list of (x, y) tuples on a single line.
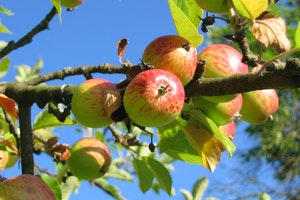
[(271, 31), (9, 105), (207, 146), (250, 9)]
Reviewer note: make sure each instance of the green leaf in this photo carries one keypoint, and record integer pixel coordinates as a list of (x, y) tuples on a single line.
[(46, 119), (109, 189), (144, 174), (26, 72), (56, 4), (187, 194), (184, 26), (3, 44), (199, 188), (173, 142), (161, 173), (264, 196), (297, 35), (53, 184), (4, 66), (250, 9), (69, 186), (6, 11), (3, 29), (115, 172)]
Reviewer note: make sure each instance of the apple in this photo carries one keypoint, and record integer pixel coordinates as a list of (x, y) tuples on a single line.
[(172, 53), (221, 60), (25, 187), (221, 113), (3, 159), (88, 102), (228, 130), (259, 105), (216, 6), (71, 3), (154, 98), (90, 159)]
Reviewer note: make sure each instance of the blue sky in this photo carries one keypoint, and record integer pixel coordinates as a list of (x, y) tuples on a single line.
[(88, 36)]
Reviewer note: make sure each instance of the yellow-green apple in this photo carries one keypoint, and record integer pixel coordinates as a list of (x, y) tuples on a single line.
[(71, 3), (8, 150), (154, 98), (25, 187), (221, 60), (259, 105), (216, 6), (88, 102), (221, 113), (90, 159), (172, 53), (3, 159)]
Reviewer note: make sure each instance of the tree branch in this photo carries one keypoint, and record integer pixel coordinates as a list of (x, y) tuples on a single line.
[(43, 25)]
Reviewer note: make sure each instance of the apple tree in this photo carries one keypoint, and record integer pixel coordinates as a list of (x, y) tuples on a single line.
[(192, 100)]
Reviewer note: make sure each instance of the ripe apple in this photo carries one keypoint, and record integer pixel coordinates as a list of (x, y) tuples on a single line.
[(221, 60), (259, 105), (25, 187), (88, 102), (154, 98), (71, 3), (216, 6), (221, 113), (90, 159), (172, 53)]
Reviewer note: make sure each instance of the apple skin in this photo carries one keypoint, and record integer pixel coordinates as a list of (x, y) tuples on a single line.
[(71, 3), (221, 60), (3, 159), (228, 130), (259, 105), (25, 187), (88, 102), (90, 159), (221, 113), (172, 53), (145, 102), (215, 6)]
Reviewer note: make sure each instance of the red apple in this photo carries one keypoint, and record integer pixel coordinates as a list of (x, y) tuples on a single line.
[(172, 53), (154, 98), (25, 187), (259, 105), (90, 159), (221, 60), (229, 129), (71, 3), (221, 113), (216, 6), (88, 102)]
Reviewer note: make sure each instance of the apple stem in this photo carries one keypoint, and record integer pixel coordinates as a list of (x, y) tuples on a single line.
[(163, 90), (186, 46)]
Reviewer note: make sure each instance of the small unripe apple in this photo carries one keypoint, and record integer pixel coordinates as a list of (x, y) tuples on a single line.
[(221, 60), (221, 113), (25, 187), (3, 159), (259, 105), (216, 6), (71, 3), (172, 53), (88, 102), (154, 98), (90, 159)]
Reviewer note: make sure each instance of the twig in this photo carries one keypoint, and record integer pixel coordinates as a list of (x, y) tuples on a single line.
[(43, 25), (12, 128)]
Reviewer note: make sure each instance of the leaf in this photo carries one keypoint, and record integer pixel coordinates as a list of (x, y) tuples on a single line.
[(109, 189), (4, 66), (173, 142), (53, 184), (121, 47), (6, 11), (184, 25), (250, 9), (69, 186), (161, 173), (3, 29), (199, 188), (144, 174), (297, 35), (112, 101), (9, 105), (46, 119), (117, 173), (187, 194), (271, 31), (56, 4), (264, 196)]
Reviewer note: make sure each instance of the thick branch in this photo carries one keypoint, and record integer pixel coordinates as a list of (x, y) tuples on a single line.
[(43, 25)]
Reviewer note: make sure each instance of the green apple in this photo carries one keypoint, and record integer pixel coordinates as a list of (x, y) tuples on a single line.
[(221, 113), (215, 6), (25, 187), (71, 3), (90, 159), (172, 53), (259, 105), (88, 102), (154, 98)]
